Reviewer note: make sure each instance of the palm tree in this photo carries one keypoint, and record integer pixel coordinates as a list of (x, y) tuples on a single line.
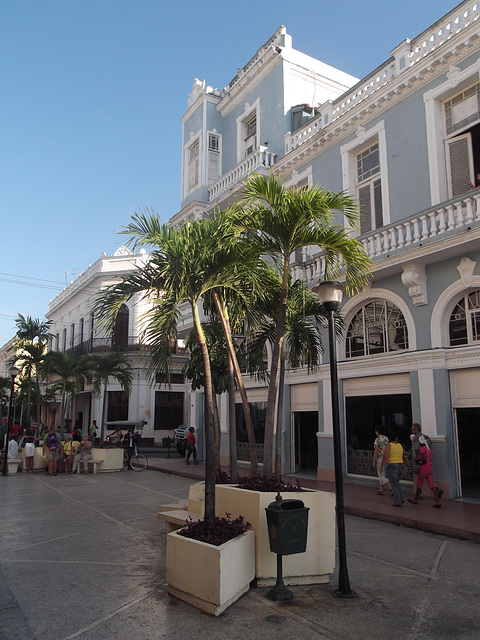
[(302, 346), (29, 360), (69, 372), (103, 366), (32, 329), (183, 267), (278, 221)]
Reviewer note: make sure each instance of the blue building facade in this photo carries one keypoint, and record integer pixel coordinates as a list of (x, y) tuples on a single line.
[(405, 142)]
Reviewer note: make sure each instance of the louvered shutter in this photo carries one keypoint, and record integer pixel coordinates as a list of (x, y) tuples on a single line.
[(365, 203), (459, 155), (377, 203)]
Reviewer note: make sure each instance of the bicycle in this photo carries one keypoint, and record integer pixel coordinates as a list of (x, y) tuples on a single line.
[(134, 460)]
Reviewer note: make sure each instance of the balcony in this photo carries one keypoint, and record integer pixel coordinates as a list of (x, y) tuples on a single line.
[(440, 228), (130, 345), (260, 160)]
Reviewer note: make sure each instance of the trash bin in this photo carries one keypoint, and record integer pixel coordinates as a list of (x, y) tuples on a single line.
[(287, 522)]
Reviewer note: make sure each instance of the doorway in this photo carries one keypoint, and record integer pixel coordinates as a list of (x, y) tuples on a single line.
[(306, 448), (468, 421)]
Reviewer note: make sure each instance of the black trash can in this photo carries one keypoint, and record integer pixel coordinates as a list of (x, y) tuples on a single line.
[(287, 522)]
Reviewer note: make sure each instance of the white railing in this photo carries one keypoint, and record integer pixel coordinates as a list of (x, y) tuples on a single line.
[(262, 158), (300, 136), (406, 56), (429, 225)]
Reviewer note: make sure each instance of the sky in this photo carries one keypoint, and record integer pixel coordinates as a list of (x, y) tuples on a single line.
[(92, 96)]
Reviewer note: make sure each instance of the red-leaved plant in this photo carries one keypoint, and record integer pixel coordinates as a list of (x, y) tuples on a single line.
[(217, 532), (258, 483)]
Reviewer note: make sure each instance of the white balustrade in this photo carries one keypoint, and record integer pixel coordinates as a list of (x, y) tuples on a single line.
[(261, 158), (457, 215)]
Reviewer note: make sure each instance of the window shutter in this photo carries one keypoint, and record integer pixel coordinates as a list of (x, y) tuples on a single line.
[(364, 201), (377, 202), (213, 166), (459, 164)]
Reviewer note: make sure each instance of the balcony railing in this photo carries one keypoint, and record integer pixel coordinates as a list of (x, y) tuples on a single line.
[(260, 159), (130, 345), (425, 228)]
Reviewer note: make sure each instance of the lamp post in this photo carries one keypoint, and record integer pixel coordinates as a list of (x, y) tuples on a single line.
[(330, 295), (13, 374)]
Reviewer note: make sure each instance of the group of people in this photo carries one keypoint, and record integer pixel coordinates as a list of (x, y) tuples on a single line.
[(65, 456), (62, 456), (390, 462)]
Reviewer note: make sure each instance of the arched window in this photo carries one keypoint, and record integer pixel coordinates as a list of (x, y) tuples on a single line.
[(464, 325), (377, 327), (120, 335)]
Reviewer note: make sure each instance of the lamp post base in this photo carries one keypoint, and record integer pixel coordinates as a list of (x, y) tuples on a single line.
[(340, 594)]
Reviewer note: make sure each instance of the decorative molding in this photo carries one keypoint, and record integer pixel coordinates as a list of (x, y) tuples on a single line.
[(123, 251), (415, 279), (466, 269)]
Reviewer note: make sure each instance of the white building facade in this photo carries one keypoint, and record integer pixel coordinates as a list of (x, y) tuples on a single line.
[(76, 331)]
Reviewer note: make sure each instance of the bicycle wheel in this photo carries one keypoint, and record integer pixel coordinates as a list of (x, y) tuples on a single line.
[(138, 462)]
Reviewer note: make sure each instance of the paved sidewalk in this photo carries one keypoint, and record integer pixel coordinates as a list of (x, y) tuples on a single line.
[(455, 518), (83, 556)]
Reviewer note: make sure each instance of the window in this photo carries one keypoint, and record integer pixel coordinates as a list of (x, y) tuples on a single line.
[(80, 340), (250, 135), (464, 325), (248, 130), (117, 406), (377, 327), (462, 113), (120, 334), (64, 340), (365, 176), (452, 116), (72, 336), (193, 165), (369, 186), (213, 158)]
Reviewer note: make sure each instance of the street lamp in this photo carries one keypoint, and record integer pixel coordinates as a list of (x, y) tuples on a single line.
[(330, 295), (13, 374)]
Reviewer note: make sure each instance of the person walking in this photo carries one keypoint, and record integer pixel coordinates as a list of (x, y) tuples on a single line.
[(415, 438), (191, 448), (424, 460), (394, 456), (379, 444)]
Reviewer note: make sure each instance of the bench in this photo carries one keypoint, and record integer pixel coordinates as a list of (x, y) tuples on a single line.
[(94, 464), (175, 516)]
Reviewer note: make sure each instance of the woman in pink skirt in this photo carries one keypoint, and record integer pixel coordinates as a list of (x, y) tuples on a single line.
[(426, 472)]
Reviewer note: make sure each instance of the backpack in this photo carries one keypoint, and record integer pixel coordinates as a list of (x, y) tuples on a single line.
[(52, 441)]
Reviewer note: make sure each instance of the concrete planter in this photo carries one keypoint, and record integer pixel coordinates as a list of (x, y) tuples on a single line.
[(108, 459), (208, 577), (13, 464), (312, 567)]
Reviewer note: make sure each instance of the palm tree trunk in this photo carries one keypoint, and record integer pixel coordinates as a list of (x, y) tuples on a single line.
[(279, 438), (218, 434), (252, 448), (232, 422), (208, 420), (274, 376), (104, 409)]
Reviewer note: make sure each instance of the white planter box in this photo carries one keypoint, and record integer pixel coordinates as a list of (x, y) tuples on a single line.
[(312, 567), (208, 577)]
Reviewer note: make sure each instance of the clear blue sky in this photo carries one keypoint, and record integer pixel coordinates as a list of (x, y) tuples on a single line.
[(92, 96)]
